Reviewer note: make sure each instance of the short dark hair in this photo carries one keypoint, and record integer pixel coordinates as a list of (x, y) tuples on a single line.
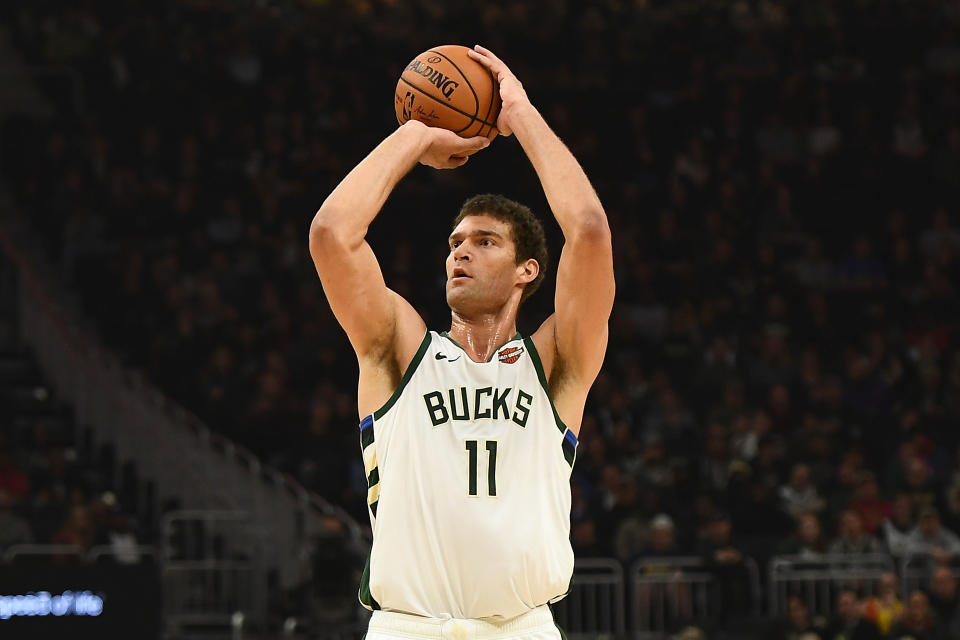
[(528, 236)]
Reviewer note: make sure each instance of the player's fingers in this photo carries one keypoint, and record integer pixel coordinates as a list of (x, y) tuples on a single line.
[(482, 59), (490, 61), (457, 161), (483, 50), (472, 145)]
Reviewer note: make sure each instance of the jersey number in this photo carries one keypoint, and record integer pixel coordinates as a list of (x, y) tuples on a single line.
[(472, 448)]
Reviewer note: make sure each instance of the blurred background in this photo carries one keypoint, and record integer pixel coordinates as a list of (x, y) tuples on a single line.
[(772, 449)]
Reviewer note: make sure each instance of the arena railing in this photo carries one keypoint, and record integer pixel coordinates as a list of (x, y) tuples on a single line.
[(916, 570), (595, 603), (817, 579), (94, 554), (668, 590), (65, 551), (191, 465), (210, 569)]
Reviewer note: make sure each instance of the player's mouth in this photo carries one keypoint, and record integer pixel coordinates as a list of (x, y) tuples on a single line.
[(459, 275)]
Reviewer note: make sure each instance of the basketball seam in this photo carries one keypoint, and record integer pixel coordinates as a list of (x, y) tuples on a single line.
[(448, 106), (476, 98)]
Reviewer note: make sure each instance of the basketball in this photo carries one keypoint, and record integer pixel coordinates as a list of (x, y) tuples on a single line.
[(443, 87)]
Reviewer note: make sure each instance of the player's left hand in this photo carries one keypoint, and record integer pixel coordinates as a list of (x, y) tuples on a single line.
[(511, 90), (445, 149)]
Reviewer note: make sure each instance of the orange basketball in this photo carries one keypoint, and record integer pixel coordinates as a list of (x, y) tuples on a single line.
[(443, 87)]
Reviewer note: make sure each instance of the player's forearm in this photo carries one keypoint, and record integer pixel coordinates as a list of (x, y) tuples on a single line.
[(571, 196), (351, 207)]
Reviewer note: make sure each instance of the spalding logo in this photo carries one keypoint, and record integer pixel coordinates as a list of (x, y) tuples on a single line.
[(437, 79), (511, 355)]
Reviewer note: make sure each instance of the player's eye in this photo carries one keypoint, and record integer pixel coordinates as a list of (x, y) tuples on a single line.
[(486, 242)]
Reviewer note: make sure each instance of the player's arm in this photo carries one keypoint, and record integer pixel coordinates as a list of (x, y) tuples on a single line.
[(372, 315), (585, 284)]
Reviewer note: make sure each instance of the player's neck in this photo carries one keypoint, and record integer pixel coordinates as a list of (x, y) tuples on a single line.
[(482, 335)]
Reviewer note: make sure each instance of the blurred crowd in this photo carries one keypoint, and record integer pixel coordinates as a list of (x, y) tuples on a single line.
[(53, 491), (782, 178), (930, 614)]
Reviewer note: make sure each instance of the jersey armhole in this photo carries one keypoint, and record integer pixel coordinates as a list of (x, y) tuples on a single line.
[(569, 442), (542, 376), (379, 413)]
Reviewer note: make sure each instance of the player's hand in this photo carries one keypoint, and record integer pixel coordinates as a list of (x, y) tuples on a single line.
[(511, 91), (445, 149)]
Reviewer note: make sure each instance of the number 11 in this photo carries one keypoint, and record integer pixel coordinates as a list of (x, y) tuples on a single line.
[(491, 446)]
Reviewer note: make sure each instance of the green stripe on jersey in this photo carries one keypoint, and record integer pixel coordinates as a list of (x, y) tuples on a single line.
[(366, 437), (538, 365), (366, 598), (569, 451), (379, 413)]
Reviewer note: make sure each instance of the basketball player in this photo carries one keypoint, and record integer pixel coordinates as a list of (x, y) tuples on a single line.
[(469, 435)]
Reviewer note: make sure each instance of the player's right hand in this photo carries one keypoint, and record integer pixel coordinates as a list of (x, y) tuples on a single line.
[(447, 150)]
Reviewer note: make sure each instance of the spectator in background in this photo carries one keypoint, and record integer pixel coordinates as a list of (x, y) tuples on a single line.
[(848, 623), (583, 538), (869, 505), (896, 529), (673, 597), (884, 608), (79, 529), (725, 560), (800, 494), (944, 602), (861, 270), (797, 624), (663, 538), (852, 539), (951, 515), (919, 483), (13, 528), (931, 540), (115, 529), (940, 234), (807, 540), (917, 621), (12, 479)]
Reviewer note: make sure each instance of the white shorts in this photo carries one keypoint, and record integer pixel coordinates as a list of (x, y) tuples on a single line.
[(536, 624)]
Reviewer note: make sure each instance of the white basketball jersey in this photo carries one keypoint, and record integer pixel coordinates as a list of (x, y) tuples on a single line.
[(468, 467)]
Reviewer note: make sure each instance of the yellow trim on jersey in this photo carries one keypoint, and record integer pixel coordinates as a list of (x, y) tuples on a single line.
[(369, 460)]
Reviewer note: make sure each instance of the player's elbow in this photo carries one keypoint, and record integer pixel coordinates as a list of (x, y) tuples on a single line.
[(325, 230), (592, 228)]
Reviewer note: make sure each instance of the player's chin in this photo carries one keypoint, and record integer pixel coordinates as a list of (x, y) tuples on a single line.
[(457, 296)]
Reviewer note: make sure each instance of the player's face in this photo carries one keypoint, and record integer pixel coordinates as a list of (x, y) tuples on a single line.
[(482, 270)]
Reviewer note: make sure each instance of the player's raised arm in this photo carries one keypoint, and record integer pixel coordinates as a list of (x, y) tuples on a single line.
[(370, 313), (585, 284)]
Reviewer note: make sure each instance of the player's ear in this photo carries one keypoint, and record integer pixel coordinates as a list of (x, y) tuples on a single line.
[(528, 270)]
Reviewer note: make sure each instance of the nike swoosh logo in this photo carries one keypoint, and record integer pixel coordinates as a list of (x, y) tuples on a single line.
[(441, 356)]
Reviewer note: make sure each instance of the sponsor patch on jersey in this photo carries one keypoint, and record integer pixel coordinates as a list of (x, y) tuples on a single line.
[(510, 355)]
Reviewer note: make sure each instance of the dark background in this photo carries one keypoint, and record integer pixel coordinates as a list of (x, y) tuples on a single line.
[(782, 180)]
